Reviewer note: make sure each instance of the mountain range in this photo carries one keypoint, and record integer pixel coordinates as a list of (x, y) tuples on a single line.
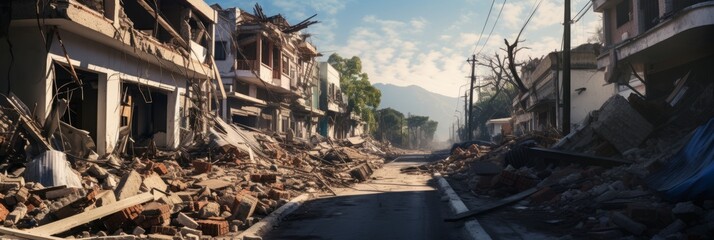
[(416, 100)]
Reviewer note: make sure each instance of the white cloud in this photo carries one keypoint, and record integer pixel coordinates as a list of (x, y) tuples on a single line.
[(297, 8)]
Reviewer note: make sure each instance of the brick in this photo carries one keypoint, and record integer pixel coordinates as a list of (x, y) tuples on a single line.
[(3, 212), (264, 178), (155, 213), (213, 227), (278, 194), (158, 168), (121, 218), (201, 167)]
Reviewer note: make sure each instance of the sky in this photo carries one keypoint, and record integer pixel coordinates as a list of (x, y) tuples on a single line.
[(426, 42)]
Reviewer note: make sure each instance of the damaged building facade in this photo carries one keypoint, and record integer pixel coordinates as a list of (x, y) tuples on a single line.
[(654, 46), (537, 110), (269, 71), (126, 72), (273, 80)]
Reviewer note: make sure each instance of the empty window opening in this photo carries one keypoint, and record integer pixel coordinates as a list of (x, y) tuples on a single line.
[(144, 110), (83, 109), (624, 9)]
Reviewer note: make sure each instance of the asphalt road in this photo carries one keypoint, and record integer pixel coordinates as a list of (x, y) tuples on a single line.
[(391, 206)]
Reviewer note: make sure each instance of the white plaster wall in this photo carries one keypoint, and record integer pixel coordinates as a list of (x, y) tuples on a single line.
[(32, 78), (596, 93)]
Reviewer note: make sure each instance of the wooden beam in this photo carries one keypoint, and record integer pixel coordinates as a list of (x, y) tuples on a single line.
[(164, 24), (25, 235), (68, 223)]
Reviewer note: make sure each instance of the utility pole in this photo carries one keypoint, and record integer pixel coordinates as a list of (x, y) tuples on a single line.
[(472, 61), (466, 114), (566, 69)]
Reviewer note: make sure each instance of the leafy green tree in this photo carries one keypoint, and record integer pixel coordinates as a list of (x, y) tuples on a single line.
[(390, 123), (363, 97), (421, 130)]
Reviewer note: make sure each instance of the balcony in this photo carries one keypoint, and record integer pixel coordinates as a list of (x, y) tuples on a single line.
[(690, 29)]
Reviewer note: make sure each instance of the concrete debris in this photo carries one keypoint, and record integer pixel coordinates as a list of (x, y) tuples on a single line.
[(220, 183), (596, 180)]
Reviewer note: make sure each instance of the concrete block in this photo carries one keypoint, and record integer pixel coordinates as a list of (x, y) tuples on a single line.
[(129, 185), (628, 224), (187, 221), (211, 209), (621, 125), (244, 206), (152, 181), (185, 231), (98, 172), (18, 213)]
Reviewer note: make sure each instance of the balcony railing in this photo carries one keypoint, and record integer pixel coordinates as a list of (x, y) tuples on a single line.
[(247, 65)]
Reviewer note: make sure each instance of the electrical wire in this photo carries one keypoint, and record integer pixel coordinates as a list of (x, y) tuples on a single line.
[(488, 16), (492, 28)]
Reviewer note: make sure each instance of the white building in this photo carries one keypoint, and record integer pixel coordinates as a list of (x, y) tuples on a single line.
[(116, 65)]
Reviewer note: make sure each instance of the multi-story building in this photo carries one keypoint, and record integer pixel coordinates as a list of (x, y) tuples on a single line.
[(124, 68), (269, 71), (650, 45), (537, 110), (332, 102)]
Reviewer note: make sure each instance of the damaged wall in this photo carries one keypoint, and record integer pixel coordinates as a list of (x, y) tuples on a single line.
[(31, 70)]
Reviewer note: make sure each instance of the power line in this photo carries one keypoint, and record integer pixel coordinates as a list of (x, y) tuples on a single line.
[(492, 28), (488, 16), (581, 13)]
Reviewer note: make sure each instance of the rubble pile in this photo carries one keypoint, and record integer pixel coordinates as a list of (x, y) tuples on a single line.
[(217, 184), (631, 170)]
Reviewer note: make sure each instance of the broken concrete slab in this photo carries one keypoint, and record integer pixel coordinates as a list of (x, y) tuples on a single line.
[(129, 185), (154, 181), (621, 125)]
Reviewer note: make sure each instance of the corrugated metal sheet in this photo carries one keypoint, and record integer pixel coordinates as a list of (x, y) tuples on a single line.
[(51, 168)]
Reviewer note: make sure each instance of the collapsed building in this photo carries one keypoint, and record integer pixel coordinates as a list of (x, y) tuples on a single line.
[(270, 71), (118, 69), (112, 121), (640, 166)]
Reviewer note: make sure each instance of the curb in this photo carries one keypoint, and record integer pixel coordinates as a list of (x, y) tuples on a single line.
[(473, 229), (273, 219)]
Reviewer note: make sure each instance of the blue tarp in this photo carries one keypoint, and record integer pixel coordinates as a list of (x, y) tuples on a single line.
[(689, 174)]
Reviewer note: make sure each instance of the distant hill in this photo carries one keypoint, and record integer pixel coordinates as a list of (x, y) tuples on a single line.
[(419, 101)]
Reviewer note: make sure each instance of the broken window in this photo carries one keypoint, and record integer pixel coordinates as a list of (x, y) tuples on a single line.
[(624, 10), (286, 65), (221, 50), (265, 52), (83, 108)]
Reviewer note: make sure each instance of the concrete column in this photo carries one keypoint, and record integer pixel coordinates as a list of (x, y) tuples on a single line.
[(173, 118)]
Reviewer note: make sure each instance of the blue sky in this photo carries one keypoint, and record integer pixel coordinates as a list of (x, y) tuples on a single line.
[(425, 42)]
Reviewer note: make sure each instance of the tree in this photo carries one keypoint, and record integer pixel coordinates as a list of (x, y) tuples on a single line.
[(363, 97), (389, 127), (421, 130)]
